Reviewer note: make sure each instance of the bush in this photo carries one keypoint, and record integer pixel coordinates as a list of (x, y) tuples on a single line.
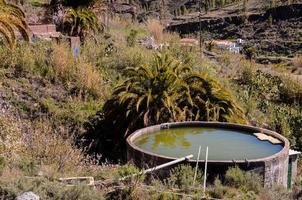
[(27, 166), (45, 189), (48, 146), (128, 171), (290, 90), (217, 190), (2, 164), (131, 38), (182, 177), (250, 52), (253, 182), (235, 177), (246, 181), (56, 63), (276, 193), (248, 196)]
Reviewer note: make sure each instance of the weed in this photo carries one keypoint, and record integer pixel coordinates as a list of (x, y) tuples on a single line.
[(156, 29), (182, 176)]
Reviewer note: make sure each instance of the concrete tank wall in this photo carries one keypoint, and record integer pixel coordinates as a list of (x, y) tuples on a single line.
[(273, 169)]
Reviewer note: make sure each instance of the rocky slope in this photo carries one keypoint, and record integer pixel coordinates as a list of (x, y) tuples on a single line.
[(276, 32)]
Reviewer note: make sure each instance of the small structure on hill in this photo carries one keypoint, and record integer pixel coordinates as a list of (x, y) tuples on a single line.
[(49, 32), (44, 31), (233, 47), (190, 42)]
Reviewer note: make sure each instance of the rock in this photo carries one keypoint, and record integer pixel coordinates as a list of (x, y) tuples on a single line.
[(28, 196), (149, 43)]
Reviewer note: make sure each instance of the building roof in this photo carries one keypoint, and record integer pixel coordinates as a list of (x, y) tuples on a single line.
[(223, 42), (293, 152), (188, 42)]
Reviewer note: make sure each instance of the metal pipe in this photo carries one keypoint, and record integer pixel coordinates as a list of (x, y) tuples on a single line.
[(196, 168), (159, 167), (205, 173)]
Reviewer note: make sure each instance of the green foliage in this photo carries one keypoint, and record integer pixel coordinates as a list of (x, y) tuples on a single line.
[(2, 164), (163, 90), (270, 20), (250, 52), (132, 178), (248, 196), (28, 166), (131, 38), (167, 90), (246, 181), (128, 171), (81, 22), (12, 19), (235, 177), (45, 189), (277, 193), (72, 3), (218, 190), (297, 187), (279, 102), (182, 177)]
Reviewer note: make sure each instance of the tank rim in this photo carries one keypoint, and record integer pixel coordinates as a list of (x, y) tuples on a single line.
[(146, 130)]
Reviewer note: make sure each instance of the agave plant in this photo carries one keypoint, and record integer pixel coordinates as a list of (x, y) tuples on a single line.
[(81, 22), (12, 18)]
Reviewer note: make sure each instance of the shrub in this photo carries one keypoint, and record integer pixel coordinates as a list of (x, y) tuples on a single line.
[(250, 52), (218, 190), (246, 181), (131, 38), (10, 137), (131, 175), (235, 177), (275, 193), (182, 177), (248, 196), (47, 146), (45, 189), (2, 164), (297, 188), (290, 90), (156, 29), (253, 182), (27, 166)]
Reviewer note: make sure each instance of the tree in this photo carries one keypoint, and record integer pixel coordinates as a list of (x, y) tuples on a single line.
[(81, 22), (12, 18), (72, 3), (165, 90)]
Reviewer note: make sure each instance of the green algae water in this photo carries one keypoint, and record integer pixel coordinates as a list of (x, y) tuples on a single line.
[(224, 144)]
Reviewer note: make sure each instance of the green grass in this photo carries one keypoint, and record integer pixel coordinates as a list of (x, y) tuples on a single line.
[(76, 111)]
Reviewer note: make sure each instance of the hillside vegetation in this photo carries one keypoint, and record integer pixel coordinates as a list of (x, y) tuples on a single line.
[(66, 116)]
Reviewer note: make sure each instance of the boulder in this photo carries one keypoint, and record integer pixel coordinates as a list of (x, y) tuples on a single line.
[(28, 196)]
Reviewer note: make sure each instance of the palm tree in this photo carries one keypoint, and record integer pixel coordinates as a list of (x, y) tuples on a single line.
[(81, 22), (168, 91), (164, 90), (12, 18)]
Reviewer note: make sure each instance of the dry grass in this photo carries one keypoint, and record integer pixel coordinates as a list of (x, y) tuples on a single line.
[(89, 79), (156, 29), (72, 72), (297, 62), (11, 137), (47, 147), (63, 63)]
